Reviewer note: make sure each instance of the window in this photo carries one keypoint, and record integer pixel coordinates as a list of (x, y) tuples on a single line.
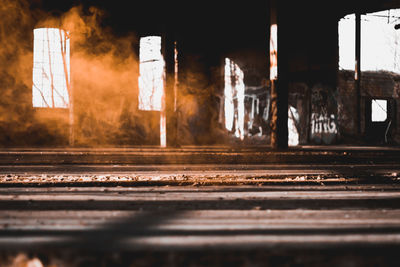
[(273, 52), (234, 98), (151, 79), (379, 110), (51, 68), (293, 121), (379, 41)]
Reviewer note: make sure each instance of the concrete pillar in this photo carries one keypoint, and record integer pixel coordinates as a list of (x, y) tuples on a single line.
[(357, 73), (171, 89), (278, 77)]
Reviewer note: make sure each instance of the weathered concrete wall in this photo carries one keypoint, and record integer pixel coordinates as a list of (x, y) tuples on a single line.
[(299, 98), (328, 115), (373, 85), (317, 109), (323, 122), (312, 54), (347, 109)]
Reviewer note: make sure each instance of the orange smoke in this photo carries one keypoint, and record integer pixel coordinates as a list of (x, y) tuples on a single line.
[(104, 81)]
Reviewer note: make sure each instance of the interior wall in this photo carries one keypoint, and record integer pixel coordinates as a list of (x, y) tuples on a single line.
[(205, 34)]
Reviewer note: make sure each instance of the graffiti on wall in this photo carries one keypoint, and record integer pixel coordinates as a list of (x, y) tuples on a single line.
[(323, 121)]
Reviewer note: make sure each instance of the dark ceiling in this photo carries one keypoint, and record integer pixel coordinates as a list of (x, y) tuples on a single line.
[(219, 21), (193, 19), (214, 27)]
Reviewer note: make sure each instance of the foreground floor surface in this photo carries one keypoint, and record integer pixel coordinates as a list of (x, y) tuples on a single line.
[(311, 223), (200, 207)]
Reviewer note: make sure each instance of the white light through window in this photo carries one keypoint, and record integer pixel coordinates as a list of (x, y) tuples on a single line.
[(151, 79), (347, 42), (51, 68), (293, 118), (273, 52), (234, 98), (379, 41), (228, 96), (379, 110)]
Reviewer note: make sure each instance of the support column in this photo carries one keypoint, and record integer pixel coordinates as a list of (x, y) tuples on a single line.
[(357, 72), (278, 78), (171, 89), (71, 117)]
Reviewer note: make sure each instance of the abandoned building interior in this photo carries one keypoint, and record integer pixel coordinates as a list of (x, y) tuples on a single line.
[(240, 74), (241, 133)]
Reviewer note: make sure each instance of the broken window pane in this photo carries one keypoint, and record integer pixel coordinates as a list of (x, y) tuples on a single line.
[(379, 110), (51, 68), (151, 79)]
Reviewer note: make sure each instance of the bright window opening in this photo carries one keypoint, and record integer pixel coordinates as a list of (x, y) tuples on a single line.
[(51, 68), (380, 49), (234, 98), (293, 122), (273, 52), (379, 110), (151, 79)]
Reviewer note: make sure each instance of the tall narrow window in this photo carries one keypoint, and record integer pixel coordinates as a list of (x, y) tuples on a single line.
[(273, 52), (51, 68), (234, 98), (151, 79), (293, 121)]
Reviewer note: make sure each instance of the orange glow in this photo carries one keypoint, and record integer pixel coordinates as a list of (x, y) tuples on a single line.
[(51, 68)]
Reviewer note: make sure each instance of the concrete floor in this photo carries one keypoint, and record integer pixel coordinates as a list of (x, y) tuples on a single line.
[(139, 218), (143, 222), (282, 213)]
